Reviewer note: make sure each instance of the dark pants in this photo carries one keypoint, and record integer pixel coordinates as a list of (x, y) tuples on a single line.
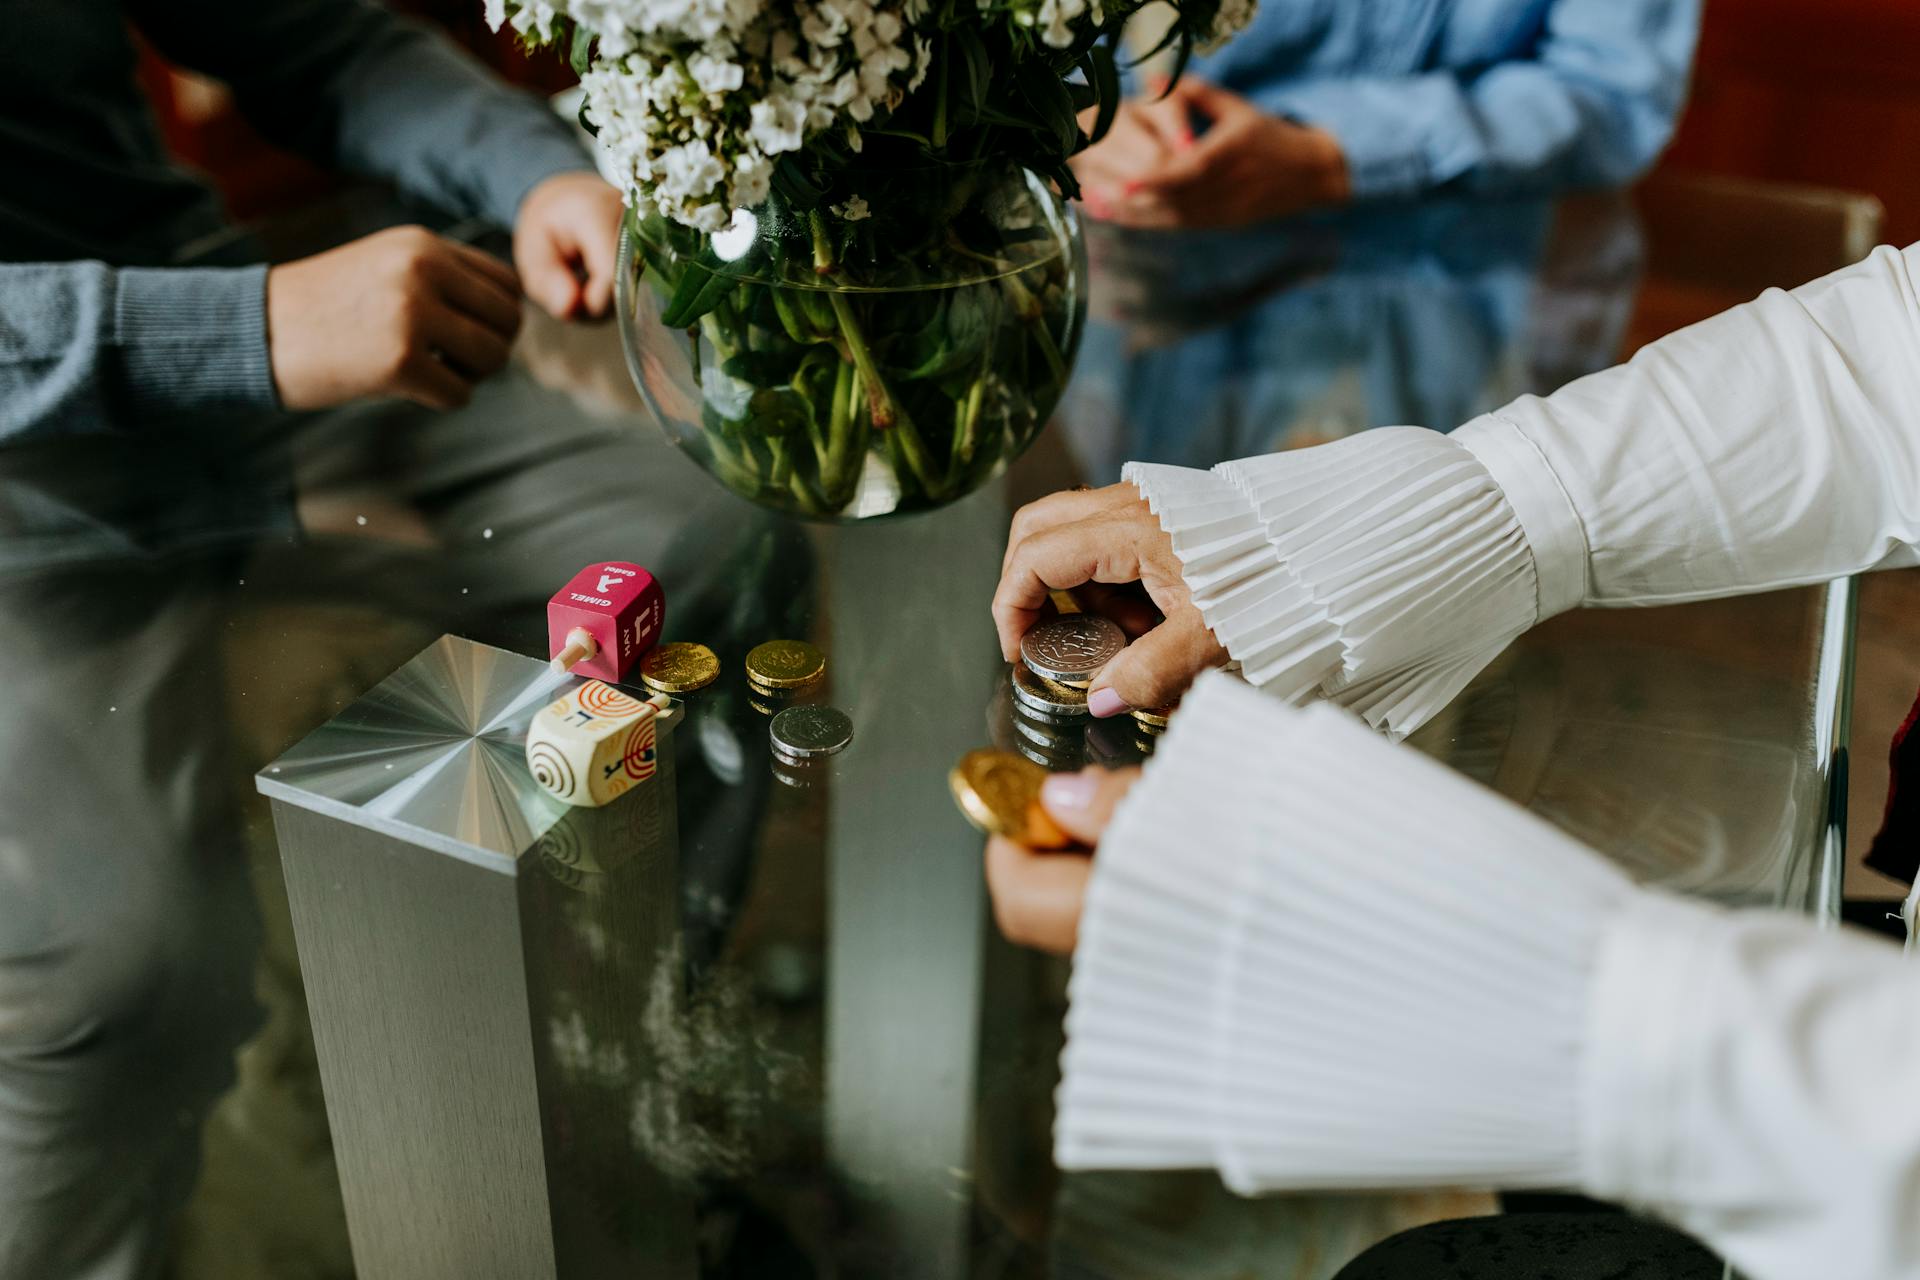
[(1538, 1246)]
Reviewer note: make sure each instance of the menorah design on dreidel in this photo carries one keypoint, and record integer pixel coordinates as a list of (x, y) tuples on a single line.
[(590, 746)]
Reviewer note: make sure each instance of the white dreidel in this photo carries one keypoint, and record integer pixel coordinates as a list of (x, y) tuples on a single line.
[(590, 746)]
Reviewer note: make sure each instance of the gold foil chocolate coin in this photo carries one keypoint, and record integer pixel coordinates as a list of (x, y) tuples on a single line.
[(679, 667), (785, 664), (1071, 650), (999, 792)]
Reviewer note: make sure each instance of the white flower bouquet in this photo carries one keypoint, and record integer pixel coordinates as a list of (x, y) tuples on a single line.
[(854, 207)]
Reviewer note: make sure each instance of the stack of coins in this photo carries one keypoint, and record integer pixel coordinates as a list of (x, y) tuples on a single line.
[(1048, 719), (1151, 722), (1071, 650), (1058, 660), (679, 668), (780, 670)]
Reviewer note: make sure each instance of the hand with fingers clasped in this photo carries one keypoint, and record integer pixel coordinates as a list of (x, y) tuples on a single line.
[(1110, 539), (1037, 896), (402, 312), (1153, 169)]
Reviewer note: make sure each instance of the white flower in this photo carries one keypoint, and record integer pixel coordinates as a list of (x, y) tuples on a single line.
[(853, 209), (779, 125), (690, 169), (715, 75), (534, 16), (694, 100), (752, 180)]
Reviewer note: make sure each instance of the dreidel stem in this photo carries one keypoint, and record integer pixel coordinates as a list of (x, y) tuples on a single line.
[(580, 646)]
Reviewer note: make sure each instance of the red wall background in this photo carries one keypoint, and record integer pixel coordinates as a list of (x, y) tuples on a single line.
[(1816, 91)]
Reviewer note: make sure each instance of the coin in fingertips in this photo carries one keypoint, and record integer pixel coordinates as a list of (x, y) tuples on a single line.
[(1000, 793), (1072, 650)]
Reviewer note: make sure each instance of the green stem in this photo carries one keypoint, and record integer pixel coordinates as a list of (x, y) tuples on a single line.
[(839, 437), (782, 462), (940, 101), (970, 421), (883, 404), (888, 414), (916, 452), (1024, 303), (783, 307), (804, 494), (1030, 310), (822, 251), (745, 476)]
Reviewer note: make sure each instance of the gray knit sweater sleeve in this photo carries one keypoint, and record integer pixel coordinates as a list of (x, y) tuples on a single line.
[(362, 89), (84, 344)]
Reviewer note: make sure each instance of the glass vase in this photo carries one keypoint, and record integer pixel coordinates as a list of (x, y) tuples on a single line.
[(889, 350)]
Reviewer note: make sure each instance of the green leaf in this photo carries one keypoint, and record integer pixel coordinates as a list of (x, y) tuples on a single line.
[(1051, 102), (952, 338), (978, 71), (580, 50), (1105, 78), (700, 290)]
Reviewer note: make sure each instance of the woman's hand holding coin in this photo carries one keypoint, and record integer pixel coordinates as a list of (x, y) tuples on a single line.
[(1107, 538), (1037, 893)]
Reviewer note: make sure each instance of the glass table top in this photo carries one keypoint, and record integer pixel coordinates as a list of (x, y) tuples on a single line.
[(787, 1042)]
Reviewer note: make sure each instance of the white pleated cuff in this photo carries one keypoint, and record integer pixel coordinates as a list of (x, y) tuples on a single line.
[(1286, 979), (1382, 571), (1540, 503)]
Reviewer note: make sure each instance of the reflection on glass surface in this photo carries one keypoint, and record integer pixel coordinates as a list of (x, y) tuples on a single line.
[(782, 1039), (1209, 346)]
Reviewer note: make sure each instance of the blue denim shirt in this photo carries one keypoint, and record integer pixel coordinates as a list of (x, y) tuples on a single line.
[(1476, 95)]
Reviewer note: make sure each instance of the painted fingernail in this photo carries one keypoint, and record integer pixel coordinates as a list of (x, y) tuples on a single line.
[(1103, 704), (1068, 792)]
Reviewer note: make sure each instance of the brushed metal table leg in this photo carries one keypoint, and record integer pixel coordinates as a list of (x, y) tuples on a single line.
[(475, 954), (416, 984)]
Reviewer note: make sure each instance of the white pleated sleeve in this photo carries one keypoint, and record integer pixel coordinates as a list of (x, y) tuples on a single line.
[(1362, 970), (1775, 445)]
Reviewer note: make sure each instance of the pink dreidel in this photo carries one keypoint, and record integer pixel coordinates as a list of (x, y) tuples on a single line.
[(601, 622)]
